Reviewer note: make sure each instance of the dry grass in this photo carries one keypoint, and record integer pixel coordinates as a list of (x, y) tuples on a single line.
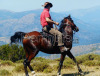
[(89, 71), (88, 67)]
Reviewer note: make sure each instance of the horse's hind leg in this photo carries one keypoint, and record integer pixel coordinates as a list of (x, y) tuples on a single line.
[(25, 63), (74, 59), (30, 54)]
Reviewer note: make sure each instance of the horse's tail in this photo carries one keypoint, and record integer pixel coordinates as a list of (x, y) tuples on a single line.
[(17, 37)]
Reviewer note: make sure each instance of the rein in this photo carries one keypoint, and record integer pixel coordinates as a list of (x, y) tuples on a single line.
[(66, 24)]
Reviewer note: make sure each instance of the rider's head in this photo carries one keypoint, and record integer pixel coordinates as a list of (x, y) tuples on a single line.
[(47, 5)]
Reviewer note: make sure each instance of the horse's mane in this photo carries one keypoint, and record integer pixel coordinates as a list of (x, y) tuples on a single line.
[(63, 21), (62, 24)]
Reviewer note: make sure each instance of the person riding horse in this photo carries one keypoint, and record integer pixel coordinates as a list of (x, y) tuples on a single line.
[(34, 42), (47, 24)]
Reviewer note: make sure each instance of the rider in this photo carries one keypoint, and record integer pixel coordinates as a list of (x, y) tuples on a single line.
[(47, 23)]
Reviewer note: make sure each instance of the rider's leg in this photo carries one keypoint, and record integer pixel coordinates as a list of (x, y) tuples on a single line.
[(60, 43), (59, 34)]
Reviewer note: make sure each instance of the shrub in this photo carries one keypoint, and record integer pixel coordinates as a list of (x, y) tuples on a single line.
[(58, 59), (92, 63), (98, 63), (40, 66), (65, 66), (81, 59), (13, 53), (97, 57), (48, 70), (69, 61), (5, 73), (9, 63), (20, 61), (19, 68)]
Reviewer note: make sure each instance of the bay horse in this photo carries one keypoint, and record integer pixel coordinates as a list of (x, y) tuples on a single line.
[(33, 42)]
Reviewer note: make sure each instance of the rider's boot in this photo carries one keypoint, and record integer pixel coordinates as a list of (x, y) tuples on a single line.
[(63, 48)]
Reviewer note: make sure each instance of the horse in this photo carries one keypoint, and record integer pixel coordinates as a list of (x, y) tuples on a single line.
[(33, 42)]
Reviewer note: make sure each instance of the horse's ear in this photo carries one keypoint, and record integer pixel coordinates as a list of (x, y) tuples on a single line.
[(64, 17), (69, 16)]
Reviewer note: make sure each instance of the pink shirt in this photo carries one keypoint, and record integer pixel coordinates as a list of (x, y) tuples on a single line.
[(43, 17)]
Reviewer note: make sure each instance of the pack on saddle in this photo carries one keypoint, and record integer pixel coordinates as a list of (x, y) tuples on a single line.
[(52, 35), (53, 38)]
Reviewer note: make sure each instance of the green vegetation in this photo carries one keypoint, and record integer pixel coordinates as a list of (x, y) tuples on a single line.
[(40, 66), (48, 70), (9, 63), (5, 73), (13, 53), (19, 68), (89, 59), (92, 63)]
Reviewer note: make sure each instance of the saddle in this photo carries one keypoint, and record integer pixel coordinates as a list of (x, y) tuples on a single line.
[(50, 37)]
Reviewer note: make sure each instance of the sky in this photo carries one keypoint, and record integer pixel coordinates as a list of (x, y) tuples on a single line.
[(58, 5)]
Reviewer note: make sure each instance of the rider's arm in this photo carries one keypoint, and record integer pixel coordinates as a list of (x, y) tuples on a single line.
[(51, 21)]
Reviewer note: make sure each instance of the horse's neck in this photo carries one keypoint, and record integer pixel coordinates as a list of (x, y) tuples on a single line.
[(67, 31)]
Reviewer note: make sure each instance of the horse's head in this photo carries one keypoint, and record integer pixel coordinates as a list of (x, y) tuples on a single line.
[(68, 22)]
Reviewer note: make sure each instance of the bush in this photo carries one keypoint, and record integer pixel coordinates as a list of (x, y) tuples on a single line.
[(40, 66), (19, 68), (58, 59), (92, 63), (13, 53), (69, 61), (98, 63), (48, 70), (81, 59), (5, 73), (9, 63), (20, 61), (65, 66)]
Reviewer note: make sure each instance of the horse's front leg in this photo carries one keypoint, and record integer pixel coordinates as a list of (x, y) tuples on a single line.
[(74, 59), (61, 64)]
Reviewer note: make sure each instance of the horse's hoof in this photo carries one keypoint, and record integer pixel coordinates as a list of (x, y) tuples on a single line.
[(58, 74), (81, 73), (27, 75), (33, 73)]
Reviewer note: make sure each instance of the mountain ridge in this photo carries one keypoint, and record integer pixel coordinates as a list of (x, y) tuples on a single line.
[(28, 21)]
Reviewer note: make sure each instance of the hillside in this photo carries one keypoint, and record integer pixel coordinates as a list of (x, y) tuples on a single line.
[(90, 15), (30, 20)]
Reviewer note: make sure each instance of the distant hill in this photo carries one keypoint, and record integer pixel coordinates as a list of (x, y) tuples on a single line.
[(91, 15), (28, 21)]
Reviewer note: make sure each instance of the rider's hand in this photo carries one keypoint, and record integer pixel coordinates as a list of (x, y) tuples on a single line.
[(56, 23)]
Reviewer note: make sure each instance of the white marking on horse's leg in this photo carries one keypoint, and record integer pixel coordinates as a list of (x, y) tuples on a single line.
[(58, 74), (33, 73)]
